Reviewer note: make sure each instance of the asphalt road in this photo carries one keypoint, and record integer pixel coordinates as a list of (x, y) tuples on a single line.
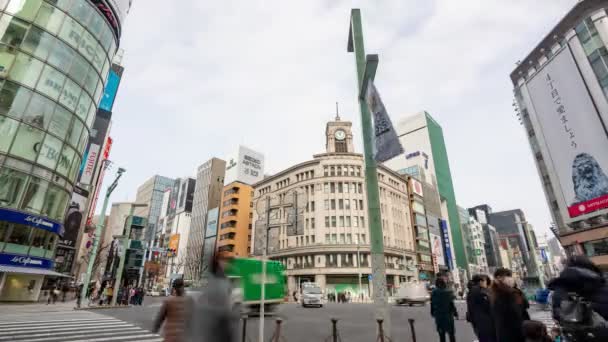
[(356, 322)]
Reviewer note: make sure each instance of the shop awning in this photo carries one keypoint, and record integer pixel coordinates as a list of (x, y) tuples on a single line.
[(28, 270)]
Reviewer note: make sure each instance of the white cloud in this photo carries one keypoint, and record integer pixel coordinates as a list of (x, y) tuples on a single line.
[(202, 77)]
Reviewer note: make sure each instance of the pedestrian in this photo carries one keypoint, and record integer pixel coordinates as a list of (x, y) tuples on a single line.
[(64, 292), (142, 294), (132, 296), (479, 308), (443, 310), (295, 296), (509, 307), (215, 319), (535, 331), (175, 313), (109, 294)]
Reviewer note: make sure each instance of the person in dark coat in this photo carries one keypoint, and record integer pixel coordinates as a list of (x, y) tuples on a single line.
[(443, 310), (509, 307), (479, 308)]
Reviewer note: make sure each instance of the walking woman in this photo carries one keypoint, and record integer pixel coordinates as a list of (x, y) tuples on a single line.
[(175, 314), (509, 307), (443, 310)]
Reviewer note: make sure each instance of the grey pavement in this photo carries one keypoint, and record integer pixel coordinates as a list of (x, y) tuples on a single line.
[(356, 322)]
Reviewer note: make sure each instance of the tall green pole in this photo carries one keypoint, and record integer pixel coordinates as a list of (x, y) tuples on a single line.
[(355, 44), (97, 237)]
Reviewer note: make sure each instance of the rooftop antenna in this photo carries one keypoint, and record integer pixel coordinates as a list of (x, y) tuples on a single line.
[(337, 112)]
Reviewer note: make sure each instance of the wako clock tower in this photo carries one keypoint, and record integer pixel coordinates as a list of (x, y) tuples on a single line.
[(339, 136)]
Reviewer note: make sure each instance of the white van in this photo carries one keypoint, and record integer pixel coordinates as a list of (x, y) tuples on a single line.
[(312, 295), (412, 293)]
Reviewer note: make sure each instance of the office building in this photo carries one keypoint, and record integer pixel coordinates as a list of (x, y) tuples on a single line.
[(427, 155), (236, 212), (174, 225), (425, 214), (322, 235), (560, 92), (474, 241), (490, 237), (54, 64), (205, 205)]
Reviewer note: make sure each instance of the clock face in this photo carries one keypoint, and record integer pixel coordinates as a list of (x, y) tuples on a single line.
[(340, 135)]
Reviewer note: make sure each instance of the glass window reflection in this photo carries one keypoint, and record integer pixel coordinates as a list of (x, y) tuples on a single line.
[(67, 157), (82, 109), (8, 128), (75, 133), (51, 82), (38, 43), (50, 18), (39, 111), (71, 32), (19, 239), (12, 185), (61, 122), (55, 203), (14, 99), (70, 94), (62, 56), (82, 11), (26, 70), (79, 69), (26, 9), (27, 142), (12, 30), (75, 168), (50, 152), (33, 198)]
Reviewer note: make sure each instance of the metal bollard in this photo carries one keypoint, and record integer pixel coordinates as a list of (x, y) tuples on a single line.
[(334, 329), (244, 332), (411, 320), (380, 330)]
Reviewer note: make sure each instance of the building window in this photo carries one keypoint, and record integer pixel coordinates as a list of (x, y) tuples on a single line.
[(347, 204), (596, 247), (326, 188), (327, 240), (332, 171), (333, 221), (340, 188), (340, 204), (334, 238), (348, 221), (326, 204), (332, 187), (355, 221), (333, 204), (326, 221), (312, 223), (341, 221)]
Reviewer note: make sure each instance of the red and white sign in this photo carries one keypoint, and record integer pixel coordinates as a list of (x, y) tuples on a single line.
[(416, 187)]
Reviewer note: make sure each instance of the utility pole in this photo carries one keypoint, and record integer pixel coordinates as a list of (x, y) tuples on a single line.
[(97, 237), (126, 240), (366, 71)]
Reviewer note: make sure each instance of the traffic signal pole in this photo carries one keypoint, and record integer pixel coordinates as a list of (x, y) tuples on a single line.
[(97, 237), (366, 71)]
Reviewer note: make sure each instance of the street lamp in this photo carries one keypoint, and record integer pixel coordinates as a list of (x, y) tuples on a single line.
[(125, 245), (97, 237)]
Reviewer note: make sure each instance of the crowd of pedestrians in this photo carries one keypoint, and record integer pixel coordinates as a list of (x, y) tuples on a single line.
[(498, 310)]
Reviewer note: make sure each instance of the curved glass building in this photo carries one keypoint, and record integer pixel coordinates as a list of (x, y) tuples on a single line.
[(54, 60)]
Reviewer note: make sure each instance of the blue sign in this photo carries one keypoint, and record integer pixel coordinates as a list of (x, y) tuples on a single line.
[(31, 220), (447, 250), (25, 261), (109, 94), (369, 277), (543, 255), (212, 217)]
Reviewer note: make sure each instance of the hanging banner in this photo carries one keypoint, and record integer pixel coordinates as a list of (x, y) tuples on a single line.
[(387, 145)]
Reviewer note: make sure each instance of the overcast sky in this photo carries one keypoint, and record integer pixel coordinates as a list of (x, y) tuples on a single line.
[(202, 77)]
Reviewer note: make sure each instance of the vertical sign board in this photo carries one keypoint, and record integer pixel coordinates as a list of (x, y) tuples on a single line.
[(575, 140), (246, 167), (447, 250)]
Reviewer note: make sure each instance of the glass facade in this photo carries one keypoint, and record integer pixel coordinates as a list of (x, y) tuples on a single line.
[(55, 56), (595, 50)]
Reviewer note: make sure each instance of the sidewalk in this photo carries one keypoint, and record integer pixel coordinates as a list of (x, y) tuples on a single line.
[(38, 307)]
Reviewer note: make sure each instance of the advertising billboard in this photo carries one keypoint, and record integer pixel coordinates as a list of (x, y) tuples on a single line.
[(109, 94), (447, 249), (173, 245), (416, 187), (247, 166), (575, 140), (73, 217), (88, 167), (437, 249), (212, 216)]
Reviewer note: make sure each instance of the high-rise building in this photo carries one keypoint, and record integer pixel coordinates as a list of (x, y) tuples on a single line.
[(425, 213), (427, 155), (54, 62), (174, 226), (327, 239), (151, 193), (561, 92), (474, 241), (490, 236), (236, 212), (205, 205)]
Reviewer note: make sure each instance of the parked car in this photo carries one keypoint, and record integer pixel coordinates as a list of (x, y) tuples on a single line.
[(412, 293)]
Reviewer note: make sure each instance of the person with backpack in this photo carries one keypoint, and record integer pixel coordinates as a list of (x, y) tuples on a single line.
[(479, 309), (580, 299), (509, 307)]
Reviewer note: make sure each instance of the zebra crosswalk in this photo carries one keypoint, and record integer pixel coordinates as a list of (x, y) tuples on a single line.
[(69, 326)]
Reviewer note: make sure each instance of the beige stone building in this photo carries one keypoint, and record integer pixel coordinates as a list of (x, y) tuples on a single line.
[(333, 248)]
